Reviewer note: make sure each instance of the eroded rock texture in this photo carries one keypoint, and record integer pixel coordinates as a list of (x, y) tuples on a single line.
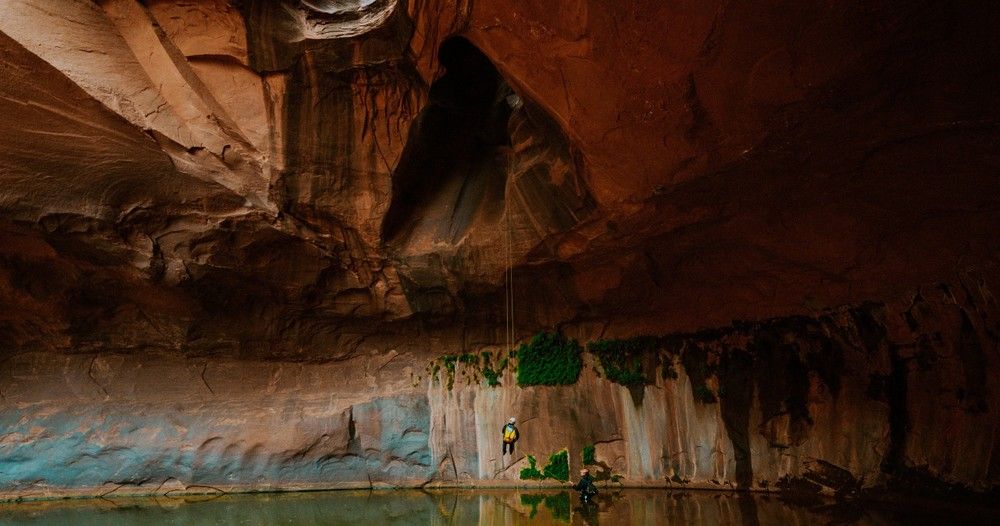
[(234, 234)]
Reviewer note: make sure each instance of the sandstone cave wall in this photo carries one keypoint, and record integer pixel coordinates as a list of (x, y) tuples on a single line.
[(861, 399), (850, 400), (673, 165), (197, 289)]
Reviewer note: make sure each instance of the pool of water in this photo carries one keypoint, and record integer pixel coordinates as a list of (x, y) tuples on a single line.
[(464, 507)]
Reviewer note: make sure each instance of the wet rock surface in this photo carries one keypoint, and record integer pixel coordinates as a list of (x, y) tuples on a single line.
[(233, 235)]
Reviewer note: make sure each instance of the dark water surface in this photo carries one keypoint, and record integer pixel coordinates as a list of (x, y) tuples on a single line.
[(466, 507)]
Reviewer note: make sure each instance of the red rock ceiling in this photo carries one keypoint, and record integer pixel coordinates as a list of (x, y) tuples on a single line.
[(216, 177)]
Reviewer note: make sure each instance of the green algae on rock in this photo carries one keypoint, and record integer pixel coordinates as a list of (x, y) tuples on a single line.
[(548, 359), (557, 467)]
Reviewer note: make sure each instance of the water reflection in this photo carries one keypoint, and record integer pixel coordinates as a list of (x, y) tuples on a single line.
[(465, 507)]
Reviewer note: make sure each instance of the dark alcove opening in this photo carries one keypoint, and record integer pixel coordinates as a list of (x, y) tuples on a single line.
[(454, 160)]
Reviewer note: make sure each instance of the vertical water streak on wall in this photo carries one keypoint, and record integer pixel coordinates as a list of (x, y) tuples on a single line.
[(640, 424), (454, 429), (487, 405), (703, 434)]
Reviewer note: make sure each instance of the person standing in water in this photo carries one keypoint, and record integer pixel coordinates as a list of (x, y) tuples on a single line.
[(586, 486), (510, 435)]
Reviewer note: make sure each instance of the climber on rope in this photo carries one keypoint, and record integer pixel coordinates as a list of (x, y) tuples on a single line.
[(510, 436)]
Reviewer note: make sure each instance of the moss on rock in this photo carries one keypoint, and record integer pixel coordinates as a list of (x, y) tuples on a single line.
[(548, 359)]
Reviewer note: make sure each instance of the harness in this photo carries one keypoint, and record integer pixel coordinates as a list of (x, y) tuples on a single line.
[(509, 433)]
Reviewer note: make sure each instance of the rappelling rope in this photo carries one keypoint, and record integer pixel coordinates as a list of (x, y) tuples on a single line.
[(506, 277), (506, 269), (509, 269)]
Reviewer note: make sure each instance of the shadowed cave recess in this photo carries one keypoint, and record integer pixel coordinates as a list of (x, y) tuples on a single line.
[(253, 245), (457, 135)]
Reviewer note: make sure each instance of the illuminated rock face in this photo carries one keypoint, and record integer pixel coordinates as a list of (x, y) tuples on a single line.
[(232, 237), (875, 399)]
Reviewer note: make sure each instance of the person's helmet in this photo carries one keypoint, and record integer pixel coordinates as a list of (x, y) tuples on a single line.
[(512, 420)]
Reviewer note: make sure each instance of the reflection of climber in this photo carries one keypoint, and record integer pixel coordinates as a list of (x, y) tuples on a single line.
[(588, 512), (586, 486), (510, 436)]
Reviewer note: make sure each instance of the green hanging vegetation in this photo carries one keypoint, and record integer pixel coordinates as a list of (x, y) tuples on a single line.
[(699, 368), (599, 470), (473, 366), (449, 366), (621, 359), (548, 359), (468, 359), (490, 373), (531, 472), (557, 468)]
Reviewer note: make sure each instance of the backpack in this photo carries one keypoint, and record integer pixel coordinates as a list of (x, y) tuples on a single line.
[(509, 433)]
